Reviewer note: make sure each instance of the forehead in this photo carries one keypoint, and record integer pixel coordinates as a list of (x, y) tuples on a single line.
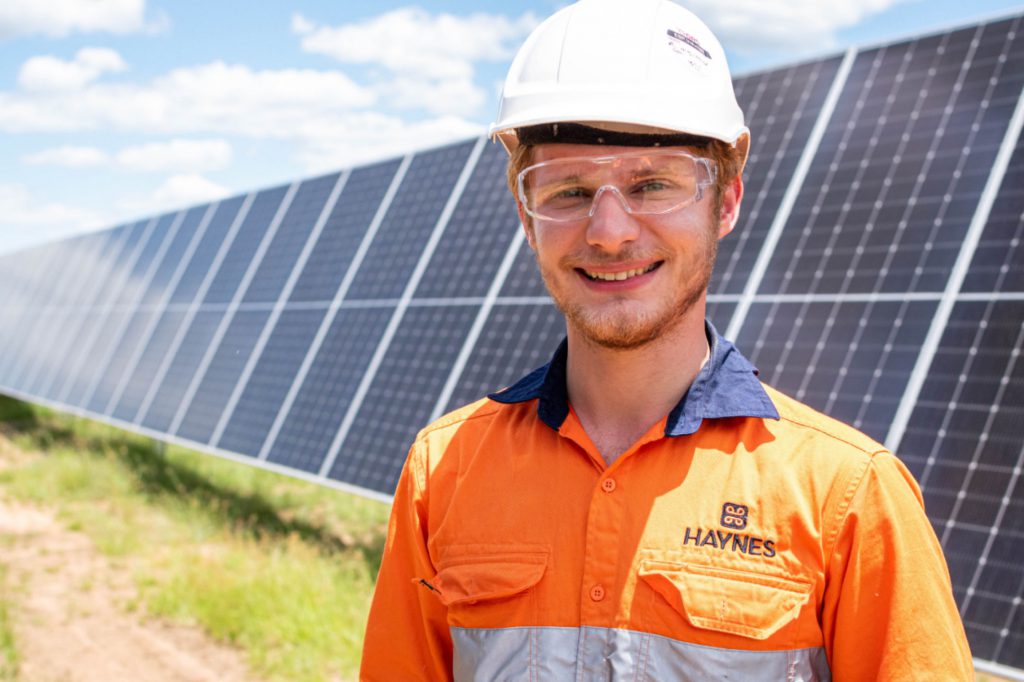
[(550, 152)]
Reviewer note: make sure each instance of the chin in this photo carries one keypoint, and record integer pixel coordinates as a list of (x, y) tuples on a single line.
[(622, 330)]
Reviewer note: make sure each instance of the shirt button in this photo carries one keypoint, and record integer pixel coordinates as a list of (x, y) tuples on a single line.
[(597, 593), (608, 485)]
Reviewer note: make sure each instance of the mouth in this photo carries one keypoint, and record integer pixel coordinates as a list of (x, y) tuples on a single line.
[(620, 276)]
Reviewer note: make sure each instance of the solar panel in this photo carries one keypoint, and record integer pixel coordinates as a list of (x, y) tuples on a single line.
[(784, 106), (313, 328), (965, 444), (851, 359), (309, 425)]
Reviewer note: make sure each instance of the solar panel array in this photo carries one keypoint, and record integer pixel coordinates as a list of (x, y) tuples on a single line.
[(877, 274)]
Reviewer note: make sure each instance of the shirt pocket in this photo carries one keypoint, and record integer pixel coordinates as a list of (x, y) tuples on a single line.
[(490, 589), (727, 600)]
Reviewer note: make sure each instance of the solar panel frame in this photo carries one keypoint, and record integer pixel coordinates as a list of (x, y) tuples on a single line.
[(222, 373), (337, 184), (94, 324), (51, 300), (52, 352), (340, 294)]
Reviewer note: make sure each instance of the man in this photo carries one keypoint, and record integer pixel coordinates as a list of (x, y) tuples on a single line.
[(642, 507)]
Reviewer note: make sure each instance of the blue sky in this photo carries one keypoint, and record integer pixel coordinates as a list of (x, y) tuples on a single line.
[(116, 109)]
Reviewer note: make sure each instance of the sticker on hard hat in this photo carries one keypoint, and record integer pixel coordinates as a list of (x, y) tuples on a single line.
[(686, 44)]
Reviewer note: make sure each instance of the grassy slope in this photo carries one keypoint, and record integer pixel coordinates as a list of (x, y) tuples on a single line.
[(282, 568)]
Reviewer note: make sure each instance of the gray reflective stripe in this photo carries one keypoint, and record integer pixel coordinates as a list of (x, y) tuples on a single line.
[(584, 654)]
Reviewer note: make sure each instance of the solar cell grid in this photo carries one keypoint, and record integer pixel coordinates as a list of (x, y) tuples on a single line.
[(206, 251), (44, 309), (477, 234), (136, 341), (136, 278), (343, 232), (68, 344), (849, 359), (781, 108), (178, 247), (107, 325), (22, 308), (515, 340), (850, 184), (100, 251), (524, 278), (161, 406), (720, 313), (965, 444), (199, 415), (245, 244), (70, 387), (110, 358), (266, 388), (192, 329), (148, 364), (133, 333), (402, 395), (997, 264), (409, 222), (289, 240), (320, 405)]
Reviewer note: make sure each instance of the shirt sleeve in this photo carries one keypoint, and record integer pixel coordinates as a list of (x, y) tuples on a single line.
[(407, 636), (889, 612)]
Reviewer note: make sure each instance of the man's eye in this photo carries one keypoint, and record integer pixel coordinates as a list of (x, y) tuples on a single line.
[(651, 186), (568, 194)]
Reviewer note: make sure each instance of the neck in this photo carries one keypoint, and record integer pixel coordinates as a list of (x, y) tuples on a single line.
[(619, 395)]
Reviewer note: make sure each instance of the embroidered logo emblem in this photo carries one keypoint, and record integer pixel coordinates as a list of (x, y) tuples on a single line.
[(734, 518), (735, 515)]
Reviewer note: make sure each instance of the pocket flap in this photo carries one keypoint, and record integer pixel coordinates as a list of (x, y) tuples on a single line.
[(727, 600), (482, 578)]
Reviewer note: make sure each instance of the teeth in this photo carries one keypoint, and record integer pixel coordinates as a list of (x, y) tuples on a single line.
[(618, 276)]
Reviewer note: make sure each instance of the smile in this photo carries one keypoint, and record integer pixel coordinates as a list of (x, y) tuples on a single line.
[(618, 276)]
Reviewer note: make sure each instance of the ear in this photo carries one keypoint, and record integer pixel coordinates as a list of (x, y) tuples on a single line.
[(730, 213), (524, 219)]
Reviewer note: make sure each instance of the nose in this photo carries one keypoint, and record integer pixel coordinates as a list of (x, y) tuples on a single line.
[(611, 224)]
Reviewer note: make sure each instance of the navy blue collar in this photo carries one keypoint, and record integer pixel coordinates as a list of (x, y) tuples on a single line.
[(726, 386)]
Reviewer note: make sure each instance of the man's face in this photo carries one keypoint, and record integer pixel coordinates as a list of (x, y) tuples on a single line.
[(623, 280)]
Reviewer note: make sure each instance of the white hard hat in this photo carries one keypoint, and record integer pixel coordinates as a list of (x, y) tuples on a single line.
[(622, 65)]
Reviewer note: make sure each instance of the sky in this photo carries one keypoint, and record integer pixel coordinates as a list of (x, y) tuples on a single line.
[(113, 110)]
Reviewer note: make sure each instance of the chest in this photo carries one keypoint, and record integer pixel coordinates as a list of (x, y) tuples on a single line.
[(679, 540)]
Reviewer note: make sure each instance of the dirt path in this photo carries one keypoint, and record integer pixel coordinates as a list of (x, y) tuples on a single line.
[(67, 603)]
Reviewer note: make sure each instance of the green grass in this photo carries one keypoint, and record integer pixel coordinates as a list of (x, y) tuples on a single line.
[(8, 651), (282, 568)]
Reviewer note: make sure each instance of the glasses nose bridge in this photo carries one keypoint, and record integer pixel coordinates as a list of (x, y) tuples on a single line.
[(600, 192)]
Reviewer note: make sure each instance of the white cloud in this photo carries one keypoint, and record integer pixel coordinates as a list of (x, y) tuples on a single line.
[(176, 155), (362, 138), (431, 59), (179, 155), (51, 74), (455, 96), (26, 219), (185, 190), (58, 18), (176, 192), (796, 27), (216, 97), (412, 41), (69, 157)]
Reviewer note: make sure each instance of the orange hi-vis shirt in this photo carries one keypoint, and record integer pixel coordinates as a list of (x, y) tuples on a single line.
[(744, 537)]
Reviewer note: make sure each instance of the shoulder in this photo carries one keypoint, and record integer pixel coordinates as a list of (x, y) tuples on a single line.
[(804, 423), (471, 423)]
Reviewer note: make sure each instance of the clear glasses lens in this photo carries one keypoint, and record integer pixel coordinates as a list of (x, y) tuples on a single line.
[(647, 182)]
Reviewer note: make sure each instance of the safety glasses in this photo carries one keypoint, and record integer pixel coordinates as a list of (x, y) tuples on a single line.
[(647, 182)]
